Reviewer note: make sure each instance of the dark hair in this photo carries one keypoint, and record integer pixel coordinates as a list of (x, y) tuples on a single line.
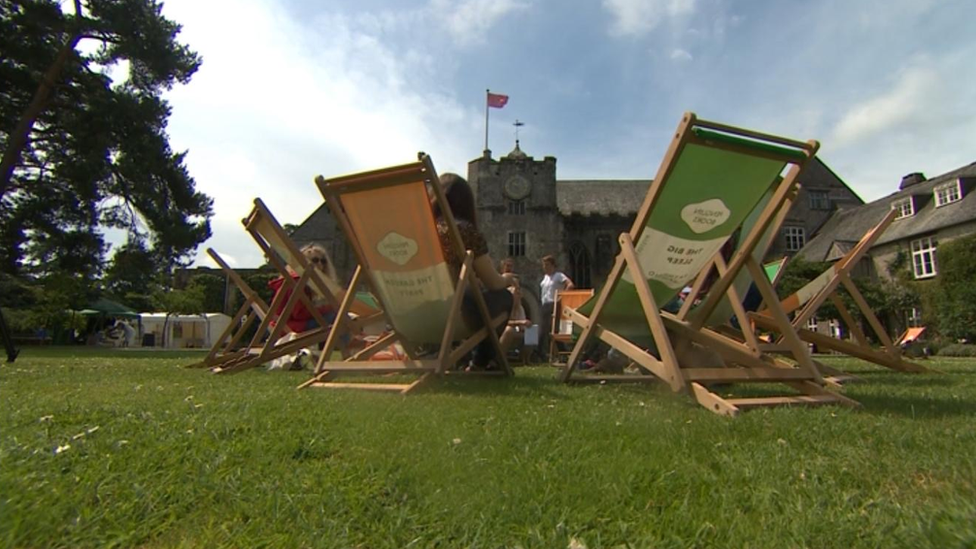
[(459, 198)]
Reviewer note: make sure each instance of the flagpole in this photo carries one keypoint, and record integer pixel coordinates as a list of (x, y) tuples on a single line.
[(487, 91)]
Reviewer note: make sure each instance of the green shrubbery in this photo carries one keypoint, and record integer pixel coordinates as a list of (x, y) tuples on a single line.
[(958, 349)]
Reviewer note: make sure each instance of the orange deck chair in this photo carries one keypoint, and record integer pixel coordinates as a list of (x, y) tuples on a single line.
[(561, 331), (312, 288), (227, 348), (388, 219)]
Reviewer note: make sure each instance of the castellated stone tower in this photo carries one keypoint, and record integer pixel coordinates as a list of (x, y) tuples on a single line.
[(517, 211)]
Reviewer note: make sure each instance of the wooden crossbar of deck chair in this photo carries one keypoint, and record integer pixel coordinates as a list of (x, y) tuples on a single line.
[(312, 288), (561, 331), (227, 348), (808, 299), (733, 306), (388, 219), (710, 179), (733, 303)]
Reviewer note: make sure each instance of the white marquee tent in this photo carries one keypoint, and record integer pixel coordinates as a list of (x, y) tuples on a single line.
[(172, 331)]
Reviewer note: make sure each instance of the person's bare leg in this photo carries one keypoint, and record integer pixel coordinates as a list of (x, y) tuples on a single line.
[(508, 339)]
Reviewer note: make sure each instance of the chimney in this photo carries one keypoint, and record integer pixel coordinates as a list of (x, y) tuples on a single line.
[(913, 178)]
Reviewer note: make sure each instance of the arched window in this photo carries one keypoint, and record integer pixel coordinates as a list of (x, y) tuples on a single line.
[(579, 265)]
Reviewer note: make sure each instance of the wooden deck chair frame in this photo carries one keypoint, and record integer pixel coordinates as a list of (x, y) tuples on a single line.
[(282, 253), (811, 297), (562, 302), (747, 330), (412, 179), (720, 316), (751, 366), (227, 348)]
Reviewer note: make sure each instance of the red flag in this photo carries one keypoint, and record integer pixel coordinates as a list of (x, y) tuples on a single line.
[(497, 100)]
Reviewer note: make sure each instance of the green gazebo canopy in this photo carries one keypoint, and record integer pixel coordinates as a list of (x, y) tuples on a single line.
[(108, 307)]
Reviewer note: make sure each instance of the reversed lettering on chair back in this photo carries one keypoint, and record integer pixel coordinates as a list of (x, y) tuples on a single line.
[(710, 193), (400, 245)]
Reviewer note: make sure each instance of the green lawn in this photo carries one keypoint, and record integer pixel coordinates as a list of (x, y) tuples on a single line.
[(128, 449)]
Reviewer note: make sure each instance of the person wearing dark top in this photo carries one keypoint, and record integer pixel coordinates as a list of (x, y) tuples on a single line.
[(493, 286)]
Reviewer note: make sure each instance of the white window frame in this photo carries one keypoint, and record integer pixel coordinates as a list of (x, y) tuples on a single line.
[(812, 324), (819, 200), (923, 257), (795, 237), (517, 243), (915, 317), (900, 207), (947, 193)]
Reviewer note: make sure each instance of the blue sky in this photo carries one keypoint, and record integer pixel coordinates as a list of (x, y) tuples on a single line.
[(293, 88)]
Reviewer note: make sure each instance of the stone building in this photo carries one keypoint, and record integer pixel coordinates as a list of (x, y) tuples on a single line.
[(930, 212), (526, 213)]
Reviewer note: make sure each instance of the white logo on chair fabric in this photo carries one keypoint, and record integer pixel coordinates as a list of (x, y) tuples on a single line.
[(397, 248), (705, 216), (671, 260)]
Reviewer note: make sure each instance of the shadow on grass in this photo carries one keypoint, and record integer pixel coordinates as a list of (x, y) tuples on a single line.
[(915, 406), (495, 386), (903, 380)]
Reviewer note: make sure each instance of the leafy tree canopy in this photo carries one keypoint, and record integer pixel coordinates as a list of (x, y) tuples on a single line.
[(82, 152)]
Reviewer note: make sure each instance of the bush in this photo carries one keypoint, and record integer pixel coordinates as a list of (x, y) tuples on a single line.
[(955, 293), (958, 349)]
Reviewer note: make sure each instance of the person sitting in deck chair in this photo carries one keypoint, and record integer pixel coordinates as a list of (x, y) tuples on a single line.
[(495, 286), (301, 320), (517, 320)]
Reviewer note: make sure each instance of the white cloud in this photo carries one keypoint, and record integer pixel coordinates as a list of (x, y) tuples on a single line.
[(902, 103), (273, 105), (924, 122), (635, 17), (468, 21), (680, 55)]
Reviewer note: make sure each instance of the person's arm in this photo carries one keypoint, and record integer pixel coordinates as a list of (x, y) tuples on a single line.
[(568, 283), (484, 269)]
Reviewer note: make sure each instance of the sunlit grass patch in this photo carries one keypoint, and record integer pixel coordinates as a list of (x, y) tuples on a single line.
[(130, 449)]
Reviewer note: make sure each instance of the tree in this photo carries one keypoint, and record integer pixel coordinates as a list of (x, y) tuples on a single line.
[(212, 288), (884, 301), (132, 275), (955, 289), (82, 152)]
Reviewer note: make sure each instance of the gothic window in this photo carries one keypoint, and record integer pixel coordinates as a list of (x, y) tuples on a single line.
[(516, 244), (819, 200), (923, 257), (579, 265), (516, 207), (795, 238), (604, 253)]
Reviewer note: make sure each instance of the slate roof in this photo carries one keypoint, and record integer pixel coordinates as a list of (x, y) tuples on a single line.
[(601, 197), (850, 224)]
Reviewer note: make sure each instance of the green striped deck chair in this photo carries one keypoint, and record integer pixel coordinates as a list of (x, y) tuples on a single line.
[(712, 177), (808, 299), (388, 219)]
